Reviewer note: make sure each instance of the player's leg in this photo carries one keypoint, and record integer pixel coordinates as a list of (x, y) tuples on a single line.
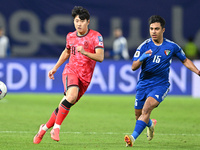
[(154, 97), (149, 105), (65, 105), (159, 93), (64, 109), (70, 97), (52, 119), (72, 90), (142, 121), (44, 127), (150, 125), (139, 103), (138, 112)]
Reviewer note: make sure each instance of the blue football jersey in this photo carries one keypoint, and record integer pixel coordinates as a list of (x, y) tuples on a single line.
[(155, 69)]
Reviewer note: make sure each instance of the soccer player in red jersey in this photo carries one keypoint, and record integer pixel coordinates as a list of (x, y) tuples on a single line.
[(83, 48)]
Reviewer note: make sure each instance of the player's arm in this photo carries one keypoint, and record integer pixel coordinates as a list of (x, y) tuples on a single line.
[(98, 56), (190, 65), (138, 63), (63, 57)]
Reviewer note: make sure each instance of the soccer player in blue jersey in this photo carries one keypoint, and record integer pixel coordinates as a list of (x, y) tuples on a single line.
[(154, 56)]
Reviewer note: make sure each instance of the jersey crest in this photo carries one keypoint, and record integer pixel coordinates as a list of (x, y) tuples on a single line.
[(86, 44), (167, 52)]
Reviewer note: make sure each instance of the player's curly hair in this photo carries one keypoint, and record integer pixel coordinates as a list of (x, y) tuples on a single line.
[(82, 12), (156, 18)]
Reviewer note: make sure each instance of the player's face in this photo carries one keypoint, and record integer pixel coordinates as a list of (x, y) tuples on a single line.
[(156, 32), (81, 25)]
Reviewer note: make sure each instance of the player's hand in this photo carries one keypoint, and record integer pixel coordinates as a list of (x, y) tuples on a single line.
[(80, 49), (51, 74), (145, 55)]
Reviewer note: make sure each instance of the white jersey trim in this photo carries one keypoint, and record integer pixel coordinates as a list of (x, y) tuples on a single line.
[(172, 42), (146, 41)]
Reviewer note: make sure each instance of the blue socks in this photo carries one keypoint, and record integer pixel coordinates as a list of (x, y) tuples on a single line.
[(149, 123), (139, 127)]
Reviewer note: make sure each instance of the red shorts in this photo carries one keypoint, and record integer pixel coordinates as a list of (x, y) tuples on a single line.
[(73, 80)]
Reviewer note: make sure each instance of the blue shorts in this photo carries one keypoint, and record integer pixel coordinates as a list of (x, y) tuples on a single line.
[(157, 92)]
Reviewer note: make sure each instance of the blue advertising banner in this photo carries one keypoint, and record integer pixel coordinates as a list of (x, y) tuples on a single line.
[(38, 28), (110, 77)]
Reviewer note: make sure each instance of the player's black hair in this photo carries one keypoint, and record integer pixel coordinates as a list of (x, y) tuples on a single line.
[(82, 12), (156, 18)]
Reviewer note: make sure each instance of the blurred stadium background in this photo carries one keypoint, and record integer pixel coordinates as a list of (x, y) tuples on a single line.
[(37, 31)]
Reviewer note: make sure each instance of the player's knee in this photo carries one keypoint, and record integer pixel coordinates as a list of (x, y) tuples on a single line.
[(71, 98)]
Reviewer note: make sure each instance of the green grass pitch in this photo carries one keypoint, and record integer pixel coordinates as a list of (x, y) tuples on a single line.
[(98, 122)]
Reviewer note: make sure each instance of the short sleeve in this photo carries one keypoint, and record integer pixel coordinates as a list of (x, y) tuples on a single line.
[(138, 53), (179, 53), (98, 41)]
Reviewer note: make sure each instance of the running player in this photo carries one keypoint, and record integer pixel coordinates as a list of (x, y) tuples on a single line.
[(83, 48), (154, 56)]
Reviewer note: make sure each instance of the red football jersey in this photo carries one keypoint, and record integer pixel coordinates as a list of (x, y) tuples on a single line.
[(80, 64)]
